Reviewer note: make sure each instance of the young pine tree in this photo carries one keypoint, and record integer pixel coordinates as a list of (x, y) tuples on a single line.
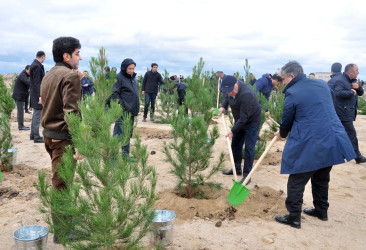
[(168, 101), (108, 200), (190, 152), (6, 106)]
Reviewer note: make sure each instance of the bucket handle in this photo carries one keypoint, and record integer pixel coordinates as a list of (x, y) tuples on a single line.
[(21, 222)]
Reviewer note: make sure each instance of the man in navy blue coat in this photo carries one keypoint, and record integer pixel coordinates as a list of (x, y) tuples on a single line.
[(347, 90), (317, 142), (266, 83)]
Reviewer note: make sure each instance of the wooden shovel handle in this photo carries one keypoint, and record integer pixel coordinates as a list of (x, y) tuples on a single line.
[(229, 146), (259, 161), (274, 121), (218, 90)]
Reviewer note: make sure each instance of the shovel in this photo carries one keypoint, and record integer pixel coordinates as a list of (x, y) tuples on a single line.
[(239, 192), (274, 121), (218, 95)]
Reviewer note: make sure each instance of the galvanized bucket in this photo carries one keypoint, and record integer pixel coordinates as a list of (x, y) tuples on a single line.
[(32, 237), (13, 153), (162, 228)]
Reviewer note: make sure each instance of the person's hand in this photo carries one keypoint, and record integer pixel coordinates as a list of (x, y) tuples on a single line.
[(354, 92), (355, 85), (278, 135), (40, 100), (229, 135), (221, 111), (143, 92), (86, 85), (78, 156), (80, 74), (267, 114)]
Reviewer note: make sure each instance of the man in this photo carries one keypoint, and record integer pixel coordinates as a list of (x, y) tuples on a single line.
[(60, 93), (247, 114), (317, 142), (87, 85), (126, 91), (150, 87), (181, 89), (346, 91), (36, 76), (20, 94), (312, 76), (266, 83), (336, 69), (252, 79)]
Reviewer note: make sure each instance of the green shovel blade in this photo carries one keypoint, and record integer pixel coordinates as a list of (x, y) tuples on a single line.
[(216, 111), (237, 194)]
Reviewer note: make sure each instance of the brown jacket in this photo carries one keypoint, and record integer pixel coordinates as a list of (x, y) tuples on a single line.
[(60, 92)]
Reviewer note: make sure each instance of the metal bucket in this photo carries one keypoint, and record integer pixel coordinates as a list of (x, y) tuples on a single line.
[(13, 153), (32, 237), (162, 228)]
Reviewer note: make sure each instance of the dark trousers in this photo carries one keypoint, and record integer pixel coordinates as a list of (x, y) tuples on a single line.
[(249, 137), (181, 101), (352, 135), (149, 97), (118, 131), (26, 102), (36, 121), (20, 114), (56, 149), (319, 186)]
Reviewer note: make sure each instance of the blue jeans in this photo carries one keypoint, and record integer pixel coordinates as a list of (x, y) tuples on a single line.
[(117, 131), (149, 97), (249, 137)]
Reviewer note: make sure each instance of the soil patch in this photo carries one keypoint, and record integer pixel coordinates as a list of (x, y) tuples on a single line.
[(263, 202), (153, 133)]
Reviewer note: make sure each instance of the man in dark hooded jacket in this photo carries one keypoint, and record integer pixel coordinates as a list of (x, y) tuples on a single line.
[(126, 91), (266, 83), (20, 94)]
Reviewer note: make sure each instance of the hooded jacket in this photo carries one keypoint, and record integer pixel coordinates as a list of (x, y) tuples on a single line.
[(21, 87), (317, 139), (264, 85), (125, 90)]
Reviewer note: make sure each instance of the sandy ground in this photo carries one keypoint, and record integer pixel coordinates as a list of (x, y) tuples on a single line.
[(196, 227)]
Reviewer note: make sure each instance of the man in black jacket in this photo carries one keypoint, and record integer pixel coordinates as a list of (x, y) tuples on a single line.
[(247, 114), (126, 91), (150, 87), (347, 90), (20, 95), (36, 76)]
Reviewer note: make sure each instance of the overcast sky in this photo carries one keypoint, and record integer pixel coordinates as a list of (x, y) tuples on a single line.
[(176, 33)]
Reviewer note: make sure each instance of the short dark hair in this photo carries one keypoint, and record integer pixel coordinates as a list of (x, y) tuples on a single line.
[(312, 74), (336, 67), (349, 67), (86, 71), (63, 45), (27, 67), (106, 68), (277, 77), (40, 54), (154, 64)]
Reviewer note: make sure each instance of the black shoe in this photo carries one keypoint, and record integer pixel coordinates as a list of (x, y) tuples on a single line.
[(360, 159), (315, 213), (242, 180), (39, 140), (230, 172), (285, 220), (28, 112), (24, 128)]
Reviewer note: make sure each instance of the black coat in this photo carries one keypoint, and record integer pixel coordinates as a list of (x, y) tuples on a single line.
[(346, 102), (125, 90), (245, 107), (21, 87), (151, 82), (36, 76)]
